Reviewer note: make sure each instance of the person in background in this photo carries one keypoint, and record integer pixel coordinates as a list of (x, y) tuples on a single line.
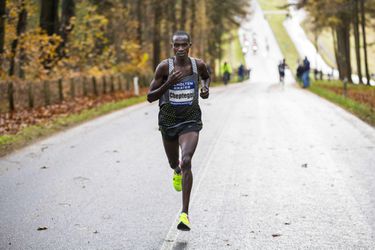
[(241, 72), (306, 72), (227, 71)]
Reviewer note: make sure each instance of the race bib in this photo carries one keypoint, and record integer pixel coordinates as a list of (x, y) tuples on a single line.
[(182, 93)]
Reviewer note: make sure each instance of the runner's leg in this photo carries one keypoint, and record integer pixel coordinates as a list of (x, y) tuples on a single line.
[(188, 142), (172, 152)]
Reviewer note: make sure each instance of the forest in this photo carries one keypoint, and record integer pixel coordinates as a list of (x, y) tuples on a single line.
[(48, 39)]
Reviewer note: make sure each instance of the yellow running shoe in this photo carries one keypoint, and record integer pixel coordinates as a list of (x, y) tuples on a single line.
[(177, 181), (184, 223)]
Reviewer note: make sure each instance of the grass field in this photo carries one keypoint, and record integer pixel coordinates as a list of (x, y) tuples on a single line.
[(271, 4), (276, 22)]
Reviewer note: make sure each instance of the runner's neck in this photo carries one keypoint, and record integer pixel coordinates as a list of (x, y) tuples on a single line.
[(182, 61)]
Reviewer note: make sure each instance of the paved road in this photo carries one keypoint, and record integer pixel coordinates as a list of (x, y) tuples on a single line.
[(276, 168)]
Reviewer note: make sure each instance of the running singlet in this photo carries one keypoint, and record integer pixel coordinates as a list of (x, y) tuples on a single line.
[(179, 104)]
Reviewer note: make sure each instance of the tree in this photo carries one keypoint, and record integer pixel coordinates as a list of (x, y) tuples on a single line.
[(49, 16), (183, 11), (334, 14), (2, 24), (139, 21), (363, 24), (67, 12), (356, 39), (21, 28), (156, 33)]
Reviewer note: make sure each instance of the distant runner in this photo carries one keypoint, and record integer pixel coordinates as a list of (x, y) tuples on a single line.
[(281, 67), (176, 86)]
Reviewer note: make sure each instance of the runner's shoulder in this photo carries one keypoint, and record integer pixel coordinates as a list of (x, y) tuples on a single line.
[(200, 63), (162, 67)]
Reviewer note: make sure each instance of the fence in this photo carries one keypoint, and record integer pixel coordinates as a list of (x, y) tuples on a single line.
[(27, 94)]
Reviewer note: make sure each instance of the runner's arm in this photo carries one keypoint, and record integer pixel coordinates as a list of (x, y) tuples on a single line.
[(158, 85), (205, 79)]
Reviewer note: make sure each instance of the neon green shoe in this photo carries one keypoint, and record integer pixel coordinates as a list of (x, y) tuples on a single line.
[(177, 181), (184, 223)]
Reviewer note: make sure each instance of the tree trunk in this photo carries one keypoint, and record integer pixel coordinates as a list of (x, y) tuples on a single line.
[(21, 28), (183, 14), (343, 56), (348, 64), (363, 24), (156, 34), (139, 20), (67, 12), (334, 36), (49, 16), (192, 18), (172, 16), (356, 40), (2, 24)]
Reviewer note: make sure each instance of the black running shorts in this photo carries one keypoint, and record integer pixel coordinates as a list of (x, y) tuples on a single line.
[(173, 132)]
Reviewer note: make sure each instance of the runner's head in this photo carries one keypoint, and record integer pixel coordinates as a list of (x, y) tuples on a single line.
[(181, 43)]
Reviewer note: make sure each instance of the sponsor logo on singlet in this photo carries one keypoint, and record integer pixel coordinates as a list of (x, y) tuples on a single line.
[(182, 93)]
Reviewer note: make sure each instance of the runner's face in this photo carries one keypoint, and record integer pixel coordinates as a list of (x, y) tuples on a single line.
[(181, 45)]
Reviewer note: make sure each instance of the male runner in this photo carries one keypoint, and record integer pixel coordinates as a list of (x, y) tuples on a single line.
[(176, 85), (281, 67)]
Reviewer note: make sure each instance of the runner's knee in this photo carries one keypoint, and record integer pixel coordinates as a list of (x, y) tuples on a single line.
[(173, 163), (186, 162)]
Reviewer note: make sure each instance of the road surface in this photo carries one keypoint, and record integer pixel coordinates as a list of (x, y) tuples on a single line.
[(276, 168)]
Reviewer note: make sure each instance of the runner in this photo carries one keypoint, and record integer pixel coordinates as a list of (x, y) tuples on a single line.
[(175, 85), (281, 67)]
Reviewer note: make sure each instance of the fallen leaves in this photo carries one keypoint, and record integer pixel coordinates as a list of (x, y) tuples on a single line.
[(13, 122)]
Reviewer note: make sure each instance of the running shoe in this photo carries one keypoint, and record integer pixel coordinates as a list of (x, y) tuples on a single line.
[(177, 181), (184, 223)]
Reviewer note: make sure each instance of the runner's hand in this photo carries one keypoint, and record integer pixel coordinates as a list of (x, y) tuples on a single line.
[(174, 77), (204, 93)]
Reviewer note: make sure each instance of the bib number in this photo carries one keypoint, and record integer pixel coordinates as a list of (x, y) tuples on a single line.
[(182, 93)]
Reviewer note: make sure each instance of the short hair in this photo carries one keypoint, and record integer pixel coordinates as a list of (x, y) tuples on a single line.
[(181, 33)]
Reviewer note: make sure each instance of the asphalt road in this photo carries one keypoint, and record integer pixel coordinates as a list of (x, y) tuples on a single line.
[(276, 168)]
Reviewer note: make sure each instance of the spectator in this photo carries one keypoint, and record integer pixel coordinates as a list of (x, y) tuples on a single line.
[(241, 72), (227, 71), (306, 72)]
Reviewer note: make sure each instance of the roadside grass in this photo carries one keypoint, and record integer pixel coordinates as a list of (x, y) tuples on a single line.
[(286, 45), (271, 4), (360, 100), (276, 22), (9, 143)]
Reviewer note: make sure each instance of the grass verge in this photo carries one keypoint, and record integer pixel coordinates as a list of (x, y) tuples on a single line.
[(286, 45), (8, 143), (332, 91)]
